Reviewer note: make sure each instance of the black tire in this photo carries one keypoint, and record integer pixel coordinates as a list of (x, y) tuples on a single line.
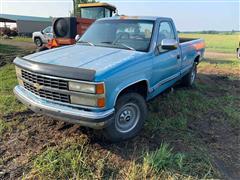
[(130, 113), (38, 42), (188, 79), (238, 53)]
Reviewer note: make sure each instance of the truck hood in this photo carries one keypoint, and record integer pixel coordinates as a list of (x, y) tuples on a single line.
[(86, 57)]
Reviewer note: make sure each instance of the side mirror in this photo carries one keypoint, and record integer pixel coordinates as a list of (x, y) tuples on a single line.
[(168, 44), (77, 37)]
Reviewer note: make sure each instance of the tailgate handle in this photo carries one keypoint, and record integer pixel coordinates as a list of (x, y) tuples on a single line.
[(178, 56)]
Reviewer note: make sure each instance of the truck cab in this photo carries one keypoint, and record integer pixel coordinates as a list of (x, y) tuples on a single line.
[(105, 80), (95, 10)]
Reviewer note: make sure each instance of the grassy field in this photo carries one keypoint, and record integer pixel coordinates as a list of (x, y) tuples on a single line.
[(23, 39), (218, 42), (189, 133)]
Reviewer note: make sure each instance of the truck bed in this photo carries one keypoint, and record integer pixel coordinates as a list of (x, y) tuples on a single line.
[(183, 40), (197, 43)]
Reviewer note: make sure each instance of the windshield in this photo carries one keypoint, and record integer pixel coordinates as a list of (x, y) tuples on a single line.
[(127, 34), (95, 12)]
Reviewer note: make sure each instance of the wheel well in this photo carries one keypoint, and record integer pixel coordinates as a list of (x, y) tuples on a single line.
[(139, 87), (37, 38), (197, 59)]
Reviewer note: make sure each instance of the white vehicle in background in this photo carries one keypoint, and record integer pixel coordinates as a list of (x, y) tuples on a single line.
[(43, 36)]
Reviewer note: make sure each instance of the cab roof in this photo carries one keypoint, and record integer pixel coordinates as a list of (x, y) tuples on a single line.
[(150, 18), (86, 5)]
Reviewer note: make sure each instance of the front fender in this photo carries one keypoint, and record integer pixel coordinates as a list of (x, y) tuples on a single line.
[(116, 84)]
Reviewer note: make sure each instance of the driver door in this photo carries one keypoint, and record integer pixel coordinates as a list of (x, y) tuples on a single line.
[(47, 34), (167, 63)]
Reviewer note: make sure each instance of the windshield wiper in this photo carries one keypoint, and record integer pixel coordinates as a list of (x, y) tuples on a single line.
[(107, 42), (91, 44), (122, 44)]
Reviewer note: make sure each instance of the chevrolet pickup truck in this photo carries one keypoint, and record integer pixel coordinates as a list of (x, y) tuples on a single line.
[(106, 78)]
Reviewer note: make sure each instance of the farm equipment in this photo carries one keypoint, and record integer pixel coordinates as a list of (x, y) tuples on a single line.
[(65, 29)]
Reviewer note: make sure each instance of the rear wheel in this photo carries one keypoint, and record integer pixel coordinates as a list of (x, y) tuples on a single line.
[(188, 79), (238, 53), (38, 42), (130, 113)]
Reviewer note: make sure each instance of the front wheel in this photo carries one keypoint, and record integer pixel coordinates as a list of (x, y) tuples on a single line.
[(238, 53), (130, 113), (38, 42), (188, 79)]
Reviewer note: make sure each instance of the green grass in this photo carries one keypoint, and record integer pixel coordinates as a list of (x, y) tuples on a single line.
[(73, 159), (175, 110), (7, 49), (218, 42), (64, 163), (164, 159), (165, 163), (225, 65), (8, 102), (23, 39), (3, 127)]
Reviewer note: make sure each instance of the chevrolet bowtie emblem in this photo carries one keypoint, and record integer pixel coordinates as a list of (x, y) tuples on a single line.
[(37, 86)]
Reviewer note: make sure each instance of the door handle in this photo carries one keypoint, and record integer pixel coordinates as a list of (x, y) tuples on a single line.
[(178, 56)]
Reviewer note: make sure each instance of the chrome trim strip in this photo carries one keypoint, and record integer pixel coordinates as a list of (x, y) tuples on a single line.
[(165, 81), (23, 96)]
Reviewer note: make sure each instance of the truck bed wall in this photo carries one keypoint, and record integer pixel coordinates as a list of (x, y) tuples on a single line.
[(183, 40)]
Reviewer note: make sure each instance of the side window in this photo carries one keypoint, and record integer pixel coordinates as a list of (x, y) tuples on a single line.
[(165, 32), (47, 30), (107, 13)]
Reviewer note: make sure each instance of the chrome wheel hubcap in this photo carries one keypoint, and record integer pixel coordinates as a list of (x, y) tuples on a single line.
[(127, 117)]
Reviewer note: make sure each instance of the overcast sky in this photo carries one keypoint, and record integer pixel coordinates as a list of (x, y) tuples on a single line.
[(189, 15)]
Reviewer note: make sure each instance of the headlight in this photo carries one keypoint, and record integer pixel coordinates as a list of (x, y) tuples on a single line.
[(87, 100), (86, 88)]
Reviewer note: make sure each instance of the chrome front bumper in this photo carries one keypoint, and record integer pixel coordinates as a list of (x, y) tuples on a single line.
[(96, 120)]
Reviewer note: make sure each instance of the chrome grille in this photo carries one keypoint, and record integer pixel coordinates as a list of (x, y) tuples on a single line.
[(48, 94), (45, 81)]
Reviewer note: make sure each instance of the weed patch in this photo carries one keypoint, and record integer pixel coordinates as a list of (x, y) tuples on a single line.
[(8, 102), (3, 127), (72, 160), (164, 159)]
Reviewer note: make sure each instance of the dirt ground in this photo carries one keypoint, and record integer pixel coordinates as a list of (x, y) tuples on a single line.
[(23, 45), (31, 133)]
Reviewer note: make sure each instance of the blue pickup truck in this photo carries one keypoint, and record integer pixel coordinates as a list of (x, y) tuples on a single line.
[(106, 78)]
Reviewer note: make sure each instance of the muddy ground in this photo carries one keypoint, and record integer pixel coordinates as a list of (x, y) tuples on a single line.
[(32, 133)]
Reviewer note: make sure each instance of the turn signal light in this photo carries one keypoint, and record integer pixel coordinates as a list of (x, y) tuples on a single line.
[(101, 102), (100, 89)]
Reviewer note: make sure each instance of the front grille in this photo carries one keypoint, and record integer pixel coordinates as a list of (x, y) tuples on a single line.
[(45, 81), (47, 94)]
